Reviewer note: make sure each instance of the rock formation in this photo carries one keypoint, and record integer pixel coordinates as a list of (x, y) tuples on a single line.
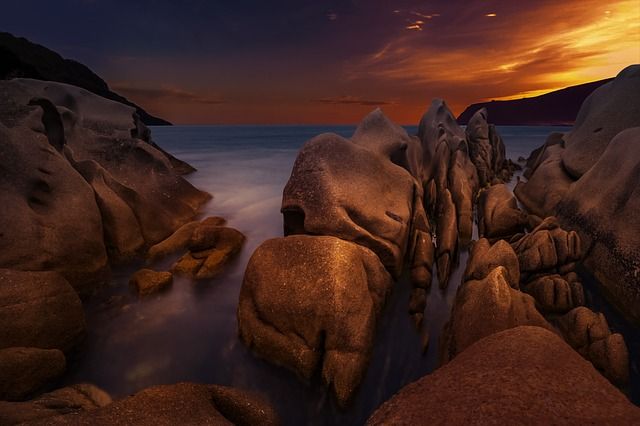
[(82, 183), (524, 375), (588, 179)]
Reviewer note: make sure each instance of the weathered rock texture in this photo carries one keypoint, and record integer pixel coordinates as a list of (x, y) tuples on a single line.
[(82, 182), (525, 375), (147, 281), (182, 403), (23, 371), (71, 400), (588, 179), (311, 303)]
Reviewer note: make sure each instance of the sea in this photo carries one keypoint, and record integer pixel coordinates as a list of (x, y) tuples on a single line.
[(189, 333)]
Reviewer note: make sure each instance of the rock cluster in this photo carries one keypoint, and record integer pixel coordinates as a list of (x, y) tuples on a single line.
[(82, 183), (588, 179)]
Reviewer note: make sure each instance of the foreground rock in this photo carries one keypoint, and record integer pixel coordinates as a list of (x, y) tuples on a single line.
[(182, 403), (82, 183), (588, 179), (484, 307), (40, 310), (311, 303), (525, 375), (72, 399), (23, 371), (147, 281)]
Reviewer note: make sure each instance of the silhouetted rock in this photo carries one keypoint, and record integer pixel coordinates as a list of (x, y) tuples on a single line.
[(525, 375), (553, 108), (21, 58), (23, 371), (39, 309), (82, 181), (311, 303), (71, 400), (147, 281), (486, 306)]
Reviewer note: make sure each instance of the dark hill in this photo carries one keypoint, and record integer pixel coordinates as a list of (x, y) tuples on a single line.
[(21, 58), (553, 108)]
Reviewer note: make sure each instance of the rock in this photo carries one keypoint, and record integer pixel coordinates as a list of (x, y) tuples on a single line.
[(498, 152), (480, 148), (498, 214), (610, 109), (316, 199), (463, 184), (310, 303), (176, 242), (81, 181), (223, 245), (70, 400), (147, 281), (23, 371), (39, 309), (602, 206), (588, 333), (484, 307), (547, 185), (176, 404), (524, 375), (554, 294), (484, 258), (447, 238), (547, 248)]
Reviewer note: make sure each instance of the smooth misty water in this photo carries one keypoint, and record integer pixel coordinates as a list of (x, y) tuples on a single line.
[(189, 333)]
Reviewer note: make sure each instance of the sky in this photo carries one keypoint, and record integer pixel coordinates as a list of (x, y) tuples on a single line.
[(330, 62)]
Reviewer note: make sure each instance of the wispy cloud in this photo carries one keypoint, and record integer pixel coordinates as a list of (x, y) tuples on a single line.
[(352, 100)]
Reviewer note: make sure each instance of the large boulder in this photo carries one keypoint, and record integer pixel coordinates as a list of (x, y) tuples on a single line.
[(82, 181), (311, 303), (603, 207), (498, 214), (40, 310), (463, 184), (181, 403), (351, 189), (525, 375), (70, 400), (610, 109), (480, 146), (484, 307), (23, 371)]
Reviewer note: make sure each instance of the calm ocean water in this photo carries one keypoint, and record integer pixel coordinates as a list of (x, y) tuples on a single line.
[(189, 333)]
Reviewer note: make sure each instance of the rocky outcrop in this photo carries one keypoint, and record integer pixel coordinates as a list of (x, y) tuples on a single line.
[(498, 214), (588, 333), (588, 179), (39, 310), (71, 400), (310, 304), (484, 307), (23, 371), (82, 183), (524, 375), (176, 404), (484, 258), (21, 58), (148, 281)]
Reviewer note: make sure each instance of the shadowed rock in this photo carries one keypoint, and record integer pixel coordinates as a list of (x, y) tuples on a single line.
[(487, 306), (498, 214), (480, 149), (71, 400), (485, 257), (554, 294), (588, 333), (177, 404), (525, 375), (463, 184), (311, 303), (39, 309), (81, 180), (23, 371)]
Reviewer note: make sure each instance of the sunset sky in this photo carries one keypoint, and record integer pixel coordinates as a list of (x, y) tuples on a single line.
[(296, 61)]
